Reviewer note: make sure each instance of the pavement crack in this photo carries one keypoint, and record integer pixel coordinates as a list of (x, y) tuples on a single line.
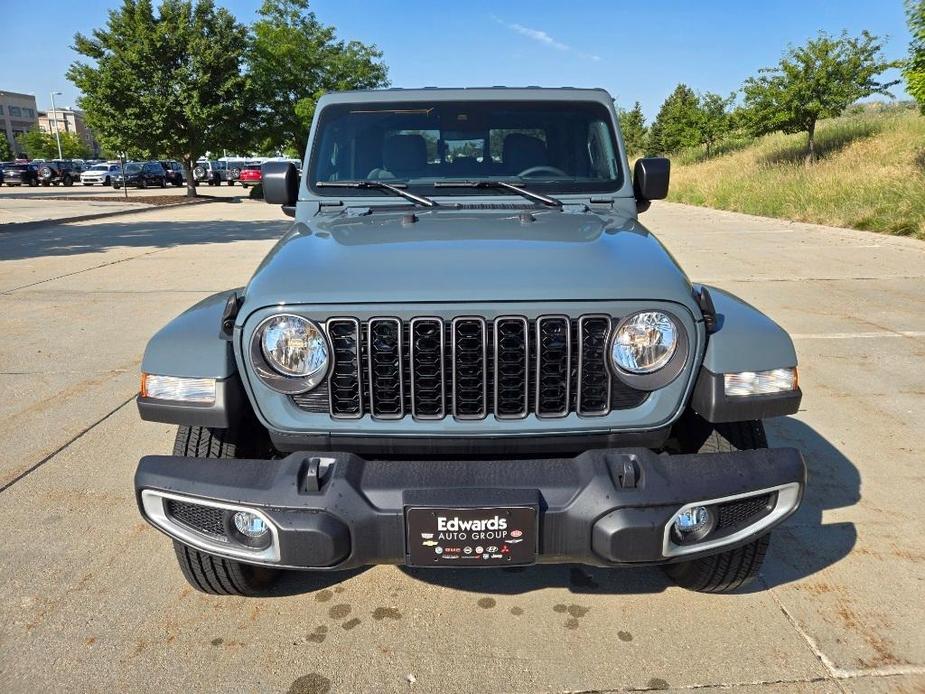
[(28, 471), (78, 272)]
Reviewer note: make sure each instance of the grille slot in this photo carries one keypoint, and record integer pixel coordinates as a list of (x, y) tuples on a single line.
[(345, 385), (512, 367), (553, 365), (470, 372), (742, 511), (203, 519), (386, 377), (428, 388), (594, 382), (468, 368)]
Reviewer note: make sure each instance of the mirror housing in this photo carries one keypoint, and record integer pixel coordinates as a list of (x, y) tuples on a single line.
[(650, 180), (280, 182)]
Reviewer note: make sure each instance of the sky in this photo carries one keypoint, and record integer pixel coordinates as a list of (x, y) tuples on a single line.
[(638, 51)]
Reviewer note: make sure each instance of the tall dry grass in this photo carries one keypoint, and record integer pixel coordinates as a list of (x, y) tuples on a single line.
[(870, 175)]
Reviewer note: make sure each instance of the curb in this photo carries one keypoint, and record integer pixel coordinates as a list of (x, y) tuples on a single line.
[(13, 227)]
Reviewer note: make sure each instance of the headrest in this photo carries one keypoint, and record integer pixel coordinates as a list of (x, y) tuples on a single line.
[(403, 153), (521, 152)]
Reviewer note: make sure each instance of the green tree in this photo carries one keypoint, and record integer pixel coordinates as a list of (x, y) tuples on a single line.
[(677, 124), (165, 83), (633, 127), (38, 145), (715, 119), (6, 152), (292, 60), (914, 68), (818, 80)]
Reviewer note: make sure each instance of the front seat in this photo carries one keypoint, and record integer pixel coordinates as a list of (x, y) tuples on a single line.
[(403, 156), (521, 152)]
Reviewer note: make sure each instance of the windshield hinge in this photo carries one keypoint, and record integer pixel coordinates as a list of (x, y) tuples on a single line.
[(602, 201), (358, 211)]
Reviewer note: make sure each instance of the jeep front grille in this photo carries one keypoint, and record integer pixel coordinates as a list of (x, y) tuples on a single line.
[(469, 368)]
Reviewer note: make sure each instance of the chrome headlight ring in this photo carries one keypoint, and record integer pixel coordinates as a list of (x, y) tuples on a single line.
[(274, 377), (662, 375)]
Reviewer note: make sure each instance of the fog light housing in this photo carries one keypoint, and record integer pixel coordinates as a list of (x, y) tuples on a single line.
[(693, 523), (248, 528), (769, 382)]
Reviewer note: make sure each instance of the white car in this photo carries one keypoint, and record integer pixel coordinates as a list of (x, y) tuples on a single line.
[(99, 173)]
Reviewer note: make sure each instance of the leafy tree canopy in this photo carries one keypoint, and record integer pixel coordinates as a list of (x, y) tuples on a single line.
[(6, 153), (39, 145), (292, 60), (677, 124), (914, 69), (714, 119), (633, 127), (168, 82), (818, 80)]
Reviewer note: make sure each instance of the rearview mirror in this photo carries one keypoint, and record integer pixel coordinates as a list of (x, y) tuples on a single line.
[(650, 180), (280, 183)]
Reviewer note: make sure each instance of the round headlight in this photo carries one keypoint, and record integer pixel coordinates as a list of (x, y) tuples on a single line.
[(644, 342), (294, 346)]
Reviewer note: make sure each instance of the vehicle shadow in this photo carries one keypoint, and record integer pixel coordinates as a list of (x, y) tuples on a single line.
[(68, 239)]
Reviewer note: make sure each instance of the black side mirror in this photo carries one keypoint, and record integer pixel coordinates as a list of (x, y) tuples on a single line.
[(650, 180), (280, 182)]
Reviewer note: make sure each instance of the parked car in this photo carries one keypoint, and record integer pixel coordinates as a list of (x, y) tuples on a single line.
[(63, 171), (469, 362), (174, 172), (233, 168), (141, 175), (210, 171), (18, 174), (251, 175), (100, 173)]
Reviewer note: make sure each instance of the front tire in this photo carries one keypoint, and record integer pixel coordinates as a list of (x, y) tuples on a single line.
[(734, 568), (214, 575), (206, 572)]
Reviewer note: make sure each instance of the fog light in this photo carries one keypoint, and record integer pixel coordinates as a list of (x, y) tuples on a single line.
[(250, 525), (690, 519)]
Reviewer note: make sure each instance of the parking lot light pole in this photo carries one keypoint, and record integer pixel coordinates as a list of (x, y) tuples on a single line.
[(54, 116)]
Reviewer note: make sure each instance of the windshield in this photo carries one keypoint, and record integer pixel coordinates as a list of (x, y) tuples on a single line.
[(548, 145), (100, 167), (132, 168)]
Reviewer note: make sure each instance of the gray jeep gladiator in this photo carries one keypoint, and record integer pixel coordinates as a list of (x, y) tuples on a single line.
[(466, 351)]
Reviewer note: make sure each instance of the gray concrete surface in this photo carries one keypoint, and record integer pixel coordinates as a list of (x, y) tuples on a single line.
[(93, 600), (24, 204)]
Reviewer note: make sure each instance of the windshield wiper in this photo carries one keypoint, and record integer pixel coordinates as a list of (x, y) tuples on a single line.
[(379, 185), (504, 185)]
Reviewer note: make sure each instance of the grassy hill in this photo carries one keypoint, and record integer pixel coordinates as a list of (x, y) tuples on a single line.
[(871, 174)]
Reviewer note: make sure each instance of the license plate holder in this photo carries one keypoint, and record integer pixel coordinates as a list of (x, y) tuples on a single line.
[(464, 536)]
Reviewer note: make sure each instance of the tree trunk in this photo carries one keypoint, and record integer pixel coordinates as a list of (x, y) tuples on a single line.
[(811, 143), (188, 173)]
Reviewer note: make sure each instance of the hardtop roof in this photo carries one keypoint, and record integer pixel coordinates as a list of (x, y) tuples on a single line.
[(467, 94)]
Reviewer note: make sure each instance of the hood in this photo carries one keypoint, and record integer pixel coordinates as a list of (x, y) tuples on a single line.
[(466, 256)]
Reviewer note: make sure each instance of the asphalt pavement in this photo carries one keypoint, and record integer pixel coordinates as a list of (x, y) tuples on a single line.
[(93, 600)]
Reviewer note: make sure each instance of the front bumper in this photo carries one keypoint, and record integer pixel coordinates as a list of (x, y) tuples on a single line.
[(604, 507)]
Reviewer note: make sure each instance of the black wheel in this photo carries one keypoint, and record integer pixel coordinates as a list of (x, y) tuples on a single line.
[(219, 576), (67, 181), (734, 568), (33, 183), (163, 183), (106, 181), (142, 183), (116, 186), (206, 572)]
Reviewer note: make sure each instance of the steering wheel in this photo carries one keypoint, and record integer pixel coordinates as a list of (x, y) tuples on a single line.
[(541, 169)]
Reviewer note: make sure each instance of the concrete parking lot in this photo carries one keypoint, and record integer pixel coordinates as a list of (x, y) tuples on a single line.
[(93, 600)]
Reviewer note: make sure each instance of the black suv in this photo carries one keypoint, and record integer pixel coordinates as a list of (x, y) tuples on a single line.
[(18, 174), (174, 172), (141, 174), (58, 171)]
